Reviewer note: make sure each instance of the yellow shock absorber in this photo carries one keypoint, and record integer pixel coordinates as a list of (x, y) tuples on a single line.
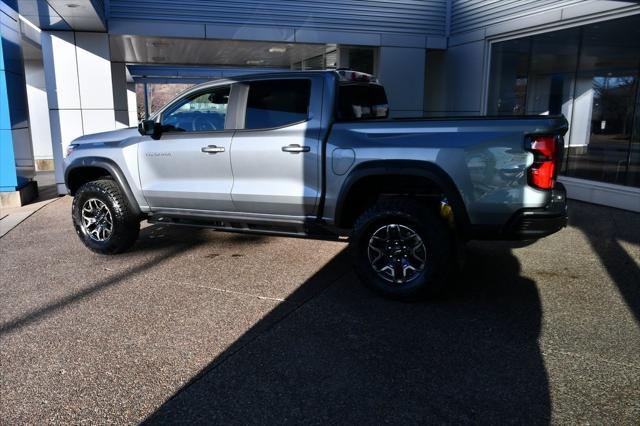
[(447, 213)]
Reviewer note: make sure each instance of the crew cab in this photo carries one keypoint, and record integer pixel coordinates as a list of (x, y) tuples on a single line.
[(314, 154)]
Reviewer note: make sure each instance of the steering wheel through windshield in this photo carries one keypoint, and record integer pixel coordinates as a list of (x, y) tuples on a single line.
[(202, 124)]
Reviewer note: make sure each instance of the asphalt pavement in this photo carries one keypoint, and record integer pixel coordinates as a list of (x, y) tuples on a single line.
[(198, 326)]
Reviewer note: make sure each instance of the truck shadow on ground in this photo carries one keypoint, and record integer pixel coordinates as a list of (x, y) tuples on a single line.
[(157, 243), (605, 232), (342, 355)]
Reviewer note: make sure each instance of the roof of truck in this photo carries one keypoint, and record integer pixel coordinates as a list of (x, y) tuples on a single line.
[(344, 75)]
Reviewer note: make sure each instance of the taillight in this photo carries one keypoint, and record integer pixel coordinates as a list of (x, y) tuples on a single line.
[(542, 172)]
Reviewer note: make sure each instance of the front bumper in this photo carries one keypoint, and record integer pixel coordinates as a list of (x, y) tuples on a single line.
[(536, 223)]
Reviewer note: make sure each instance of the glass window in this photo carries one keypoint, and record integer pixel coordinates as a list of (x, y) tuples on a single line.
[(633, 172), (552, 67), (361, 59), (331, 59), (314, 63), (361, 101), (199, 112), (605, 98), (160, 94), (275, 103), (589, 74), (600, 151), (509, 75)]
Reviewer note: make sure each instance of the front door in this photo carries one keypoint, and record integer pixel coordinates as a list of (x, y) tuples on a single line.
[(276, 156), (188, 167)]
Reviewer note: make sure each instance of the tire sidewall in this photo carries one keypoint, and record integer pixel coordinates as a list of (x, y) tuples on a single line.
[(429, 281), (120, 223)]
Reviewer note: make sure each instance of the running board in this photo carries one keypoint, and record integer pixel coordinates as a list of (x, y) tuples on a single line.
[(313, 230)]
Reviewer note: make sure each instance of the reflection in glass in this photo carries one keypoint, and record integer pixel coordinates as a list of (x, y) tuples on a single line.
[(633, 170), (603, 154), (160, 94), (275, 103), (200, 112), (605, 96), (590, 75), (554, 57), (509, 73), (361, 59)]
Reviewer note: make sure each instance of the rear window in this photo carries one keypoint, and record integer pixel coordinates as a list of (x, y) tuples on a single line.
[(275, 103), (361, 102)]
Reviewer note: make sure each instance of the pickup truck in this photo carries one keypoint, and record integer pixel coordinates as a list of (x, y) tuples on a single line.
[(315, 155)]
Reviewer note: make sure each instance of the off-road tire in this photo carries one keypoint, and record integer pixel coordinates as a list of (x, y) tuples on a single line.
[(126, 225), (432, 230)]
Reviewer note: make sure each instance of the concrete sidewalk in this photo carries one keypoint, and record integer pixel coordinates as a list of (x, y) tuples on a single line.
[(12, 217), (201, 326)]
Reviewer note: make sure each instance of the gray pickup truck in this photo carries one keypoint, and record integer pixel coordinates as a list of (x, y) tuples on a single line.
[(315, 155)]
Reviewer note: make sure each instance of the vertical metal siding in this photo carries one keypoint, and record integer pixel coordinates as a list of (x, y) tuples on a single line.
[(422, 17), (467, 15)]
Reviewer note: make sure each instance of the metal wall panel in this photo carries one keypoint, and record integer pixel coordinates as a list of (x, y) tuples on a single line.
[(423, 17), (468, 15)]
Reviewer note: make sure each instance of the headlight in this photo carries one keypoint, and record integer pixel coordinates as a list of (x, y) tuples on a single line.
[(71, 148)]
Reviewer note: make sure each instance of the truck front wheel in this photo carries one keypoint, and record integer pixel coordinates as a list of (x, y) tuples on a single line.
[(102, 218), (401, 249)]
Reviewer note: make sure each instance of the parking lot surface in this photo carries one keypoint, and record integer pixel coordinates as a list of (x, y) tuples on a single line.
[(194, 325)]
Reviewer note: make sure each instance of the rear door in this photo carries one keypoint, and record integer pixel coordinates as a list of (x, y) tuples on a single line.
[(276, 153)]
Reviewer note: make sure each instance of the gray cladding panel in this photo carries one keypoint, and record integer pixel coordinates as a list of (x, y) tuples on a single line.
[(424, 17), (468, 15)]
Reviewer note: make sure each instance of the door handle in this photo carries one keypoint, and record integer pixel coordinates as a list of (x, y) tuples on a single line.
[(212, 149), (295, 148)]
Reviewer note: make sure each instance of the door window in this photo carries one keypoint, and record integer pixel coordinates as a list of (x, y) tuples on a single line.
[(276, 103), (198, 112)]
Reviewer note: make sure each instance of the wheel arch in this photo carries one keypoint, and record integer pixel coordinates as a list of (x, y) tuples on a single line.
[(426, 171), (86, 169)]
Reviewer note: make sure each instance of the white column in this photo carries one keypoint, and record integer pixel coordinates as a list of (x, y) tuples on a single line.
[(132, 104), (124, 96), (401, 71), (79, 89), (582, 112), (38, 113)]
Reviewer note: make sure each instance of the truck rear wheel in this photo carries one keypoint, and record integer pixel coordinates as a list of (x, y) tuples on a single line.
[(402, 249), (102, 218)]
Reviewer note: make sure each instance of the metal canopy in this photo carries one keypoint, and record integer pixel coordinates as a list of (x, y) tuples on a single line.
[(76, 15), (229, 53)]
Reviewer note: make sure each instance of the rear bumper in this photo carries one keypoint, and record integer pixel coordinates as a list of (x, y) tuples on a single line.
[(536, 223)]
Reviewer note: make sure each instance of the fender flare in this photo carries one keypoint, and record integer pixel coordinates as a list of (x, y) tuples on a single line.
[(113, 169), (416, 168)]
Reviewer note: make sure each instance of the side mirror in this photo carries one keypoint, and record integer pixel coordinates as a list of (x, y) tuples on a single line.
[(151, 128)]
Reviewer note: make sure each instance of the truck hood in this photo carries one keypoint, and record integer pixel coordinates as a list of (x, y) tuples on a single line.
[(119, 135)]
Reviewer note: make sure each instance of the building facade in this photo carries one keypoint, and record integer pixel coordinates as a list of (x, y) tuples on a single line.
[(72, 67)]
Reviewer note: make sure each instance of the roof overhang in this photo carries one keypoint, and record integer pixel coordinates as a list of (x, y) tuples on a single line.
[(69, 15)]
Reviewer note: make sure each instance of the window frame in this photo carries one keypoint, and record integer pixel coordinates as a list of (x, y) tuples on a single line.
[(530, 31), (243, 98)]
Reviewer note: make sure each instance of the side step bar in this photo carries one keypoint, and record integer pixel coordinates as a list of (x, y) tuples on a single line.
[(311, 230)]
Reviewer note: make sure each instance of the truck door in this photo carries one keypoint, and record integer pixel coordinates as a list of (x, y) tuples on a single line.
[(276, 153), (188, 167)]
